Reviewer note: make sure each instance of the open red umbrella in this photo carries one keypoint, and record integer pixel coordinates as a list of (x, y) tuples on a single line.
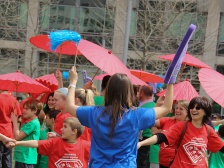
[(43, 42), (134, 79), (182, 91), (212, 82), (102, 58), (18, 82), (146, 76), (188, 60), (49, 81)]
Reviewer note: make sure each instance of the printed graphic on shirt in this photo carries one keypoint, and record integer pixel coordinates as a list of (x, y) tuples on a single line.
[(69, 161), (195, 149)]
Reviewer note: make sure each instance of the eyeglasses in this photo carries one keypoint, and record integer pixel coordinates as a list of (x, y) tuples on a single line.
[(215, 117), (197, 108)]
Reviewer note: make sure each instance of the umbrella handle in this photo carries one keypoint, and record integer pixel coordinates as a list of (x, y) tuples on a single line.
[(96, 73), (76, 53), (181, 72)]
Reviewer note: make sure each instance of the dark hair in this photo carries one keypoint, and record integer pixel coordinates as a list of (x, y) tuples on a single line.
[(203, 103), (216, 114), (34, 105), (46, 108), (221, 131), (104, 82), (119, 96), (147, 90), (52, 113)]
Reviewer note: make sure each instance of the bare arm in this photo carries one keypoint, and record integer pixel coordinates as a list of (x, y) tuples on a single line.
[(30, 143), (149, 141), (58, 76), (167, 104), (70, 105), (17, 134), (6, 139), (218, 122)]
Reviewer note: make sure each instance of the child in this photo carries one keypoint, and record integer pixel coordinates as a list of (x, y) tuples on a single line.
[(30, 130), (64, 151), (42, 161)]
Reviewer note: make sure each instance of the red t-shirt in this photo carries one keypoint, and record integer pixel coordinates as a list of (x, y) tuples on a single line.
[(59, 121), (166, 153), (7, 105), (193, 147), (62, 154), (86, 135)]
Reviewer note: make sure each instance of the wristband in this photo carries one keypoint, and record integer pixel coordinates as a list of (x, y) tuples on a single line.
[(72, 85)]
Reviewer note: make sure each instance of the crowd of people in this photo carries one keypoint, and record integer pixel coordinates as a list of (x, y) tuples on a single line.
[(118, 128)]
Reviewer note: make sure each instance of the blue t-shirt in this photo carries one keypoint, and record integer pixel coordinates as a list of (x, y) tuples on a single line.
[(121, 150)]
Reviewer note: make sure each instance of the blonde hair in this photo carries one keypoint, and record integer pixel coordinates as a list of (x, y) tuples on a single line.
[(183, 103), (85, 96), (74, 124), (94, 90), (63, 92)]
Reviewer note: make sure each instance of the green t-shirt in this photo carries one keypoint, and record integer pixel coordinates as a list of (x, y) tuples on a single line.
[(25, 154), (98, 100), (154, 149), (42, 161), (216, 160)]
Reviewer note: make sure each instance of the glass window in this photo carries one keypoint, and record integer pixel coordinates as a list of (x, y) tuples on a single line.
[(220, 45)]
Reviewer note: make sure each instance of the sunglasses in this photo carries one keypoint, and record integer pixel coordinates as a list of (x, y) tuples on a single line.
[(197, 108), (215, 117)]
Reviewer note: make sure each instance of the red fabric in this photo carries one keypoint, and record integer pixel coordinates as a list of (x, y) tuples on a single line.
[(86, 135), (7, 105), (59, 121), (191, 153), (62, 154), (166, 152)]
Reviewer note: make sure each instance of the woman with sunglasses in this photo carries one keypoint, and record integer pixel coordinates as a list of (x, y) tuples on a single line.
[(198, 138)]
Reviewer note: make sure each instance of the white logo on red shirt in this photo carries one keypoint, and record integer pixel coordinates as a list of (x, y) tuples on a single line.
[(69, 161), (195, 149)]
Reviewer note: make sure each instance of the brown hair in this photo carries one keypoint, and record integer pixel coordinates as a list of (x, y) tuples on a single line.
[(34, 105), (74, 124), (119, 96)]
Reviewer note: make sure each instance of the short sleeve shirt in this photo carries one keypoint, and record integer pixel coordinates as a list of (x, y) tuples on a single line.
[(121, 150)]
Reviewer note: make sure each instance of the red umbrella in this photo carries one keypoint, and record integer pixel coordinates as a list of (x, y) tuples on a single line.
[(134, 79), (212, 82), (146, 76), (49, 81), (43, 42), (99, 56), (182, 91), (188, 60), (19, 82)]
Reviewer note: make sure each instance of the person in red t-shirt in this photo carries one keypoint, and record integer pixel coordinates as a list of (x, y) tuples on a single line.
[(8, 104), (197, 139), (59, 100), (167, 153), (65, 151)]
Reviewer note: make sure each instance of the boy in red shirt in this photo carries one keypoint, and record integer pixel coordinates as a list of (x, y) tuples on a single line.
[(64, 151)]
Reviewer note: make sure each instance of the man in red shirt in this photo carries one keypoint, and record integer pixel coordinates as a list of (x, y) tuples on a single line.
[(7, 105)]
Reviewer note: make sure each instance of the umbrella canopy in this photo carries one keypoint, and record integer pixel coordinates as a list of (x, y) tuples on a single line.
[(146, 76), (134, 80), (49, 81), (212, 82), (182, 91), (99, 56), (43, 42), (188, 60), (18, 82)]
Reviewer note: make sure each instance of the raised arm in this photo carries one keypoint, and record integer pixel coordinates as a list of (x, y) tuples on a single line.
[(70, 105), (58, 76), (30, 143), (161, 111), (19, 135), (218, 122)]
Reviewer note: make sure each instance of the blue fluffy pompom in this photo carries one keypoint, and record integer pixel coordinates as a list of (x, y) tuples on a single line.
[(60, 36)]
